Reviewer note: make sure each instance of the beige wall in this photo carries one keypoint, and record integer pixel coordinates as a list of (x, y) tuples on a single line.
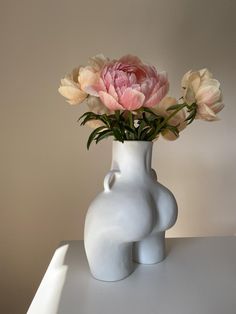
[(48, 178)]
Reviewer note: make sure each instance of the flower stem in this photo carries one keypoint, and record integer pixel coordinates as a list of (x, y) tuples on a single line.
[(171, 116)]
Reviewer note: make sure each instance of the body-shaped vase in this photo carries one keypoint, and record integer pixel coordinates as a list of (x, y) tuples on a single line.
[(126, 222)]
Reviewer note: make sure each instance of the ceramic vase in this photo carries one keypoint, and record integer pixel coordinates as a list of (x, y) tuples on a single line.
[(126, 222)]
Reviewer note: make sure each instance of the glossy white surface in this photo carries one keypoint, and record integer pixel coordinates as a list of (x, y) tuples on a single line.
[(198, 276), (127, 221)]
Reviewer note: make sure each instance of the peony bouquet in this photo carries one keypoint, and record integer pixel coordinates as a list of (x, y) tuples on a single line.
[(128, 100)]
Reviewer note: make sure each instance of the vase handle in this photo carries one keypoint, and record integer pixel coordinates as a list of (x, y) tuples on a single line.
[(108, 178)]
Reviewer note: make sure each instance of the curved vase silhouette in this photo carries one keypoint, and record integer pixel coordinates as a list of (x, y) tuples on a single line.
[(126, 223)]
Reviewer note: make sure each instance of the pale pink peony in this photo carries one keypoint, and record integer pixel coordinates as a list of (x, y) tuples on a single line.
[(70, 88), (90, 75), (128, 84), (76, 85), (177, 120), (199, 87)]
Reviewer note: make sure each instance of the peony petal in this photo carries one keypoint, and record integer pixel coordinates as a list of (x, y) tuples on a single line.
[(75, 74), (88, 78), (99, 86), (166, 102), (217, 107), (179, 120), (66, 81), (185, 79), (113, 92), (163, 77), (132, 99), (145, 87), (130, 59), (208, 95), (74, 95), (205, 113), (157, 97), (205, 74), (210, 82), (68, 91), (194, 81), (132, 79), (98, 62), (109, 101), (189, 95), (121, 79)]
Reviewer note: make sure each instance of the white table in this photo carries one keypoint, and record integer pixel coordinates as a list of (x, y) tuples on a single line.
[(197, 277)]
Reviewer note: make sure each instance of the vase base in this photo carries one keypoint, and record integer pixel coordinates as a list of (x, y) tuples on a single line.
[(111, 279), (149, 262), (150, 250)]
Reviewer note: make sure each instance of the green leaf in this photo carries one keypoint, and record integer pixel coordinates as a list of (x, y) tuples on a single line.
[(131, 122), (84, 115), (191, 116), (121, 126), (151, 135), (123, 116), (143, 135), (145, 118), (151, 112), (103, 134), (106, 120), (90, 116), (141, 126), (156, 129), (87, 114), (93, 135), (117, 134), (128, 128), (117, 114), (177, 106)]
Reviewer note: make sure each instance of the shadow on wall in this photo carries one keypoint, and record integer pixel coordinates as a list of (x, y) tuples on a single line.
[(203, 196)]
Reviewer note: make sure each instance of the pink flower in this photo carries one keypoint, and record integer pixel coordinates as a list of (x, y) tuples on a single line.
[(128, 84)]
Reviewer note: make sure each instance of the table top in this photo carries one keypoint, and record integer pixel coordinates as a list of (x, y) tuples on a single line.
[(198, 276)]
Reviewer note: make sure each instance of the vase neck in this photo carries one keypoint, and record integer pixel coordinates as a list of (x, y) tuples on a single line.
[(132, 158)]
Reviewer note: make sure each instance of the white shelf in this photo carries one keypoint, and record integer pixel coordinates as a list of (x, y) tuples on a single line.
[(197, 277)]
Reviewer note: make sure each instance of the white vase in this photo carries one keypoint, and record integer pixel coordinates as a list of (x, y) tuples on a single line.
[(126, 222)]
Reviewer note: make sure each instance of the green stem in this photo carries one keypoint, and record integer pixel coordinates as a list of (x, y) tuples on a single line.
[(130, 119), (170, 116)]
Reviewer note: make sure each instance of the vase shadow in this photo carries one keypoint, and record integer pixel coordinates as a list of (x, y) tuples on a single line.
[(79, 284), (82, 289)]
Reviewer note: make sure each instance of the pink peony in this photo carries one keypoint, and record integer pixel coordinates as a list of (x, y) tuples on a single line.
[(128, 84)]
